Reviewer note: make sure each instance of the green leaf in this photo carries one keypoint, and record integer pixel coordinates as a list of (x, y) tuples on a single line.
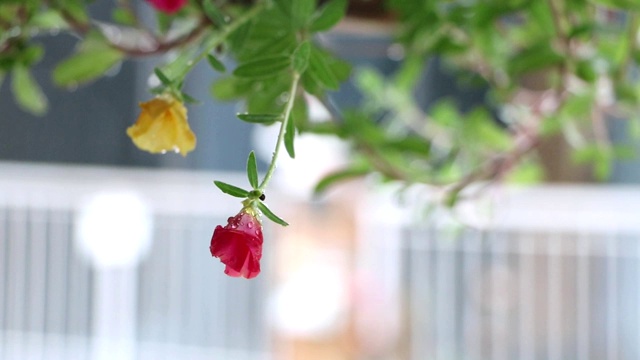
[(124, 16), (328, 15), (537, 57), (338, 176), (238, 38), (300, 57), (284, 6), (216, 64), (301, 12), (621, 4), (270, 215), (48, 20), (320, 70), (260, 118), (27, 92), (213, 13), (231, 190), (93, 59), (289, 136), (263, 68), (189, 99), (252, 170), (526, 173), (162, 77), (230, 88)]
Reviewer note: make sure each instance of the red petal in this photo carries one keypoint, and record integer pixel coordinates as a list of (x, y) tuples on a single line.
[(168, 6), (239, 245)]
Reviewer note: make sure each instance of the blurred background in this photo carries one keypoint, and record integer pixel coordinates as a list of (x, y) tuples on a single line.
[(104, 248)]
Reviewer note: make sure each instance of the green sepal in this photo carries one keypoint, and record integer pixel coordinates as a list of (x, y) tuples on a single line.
[(189, 99), (231, 190), (162, 77), (270, 215), (216, 64)]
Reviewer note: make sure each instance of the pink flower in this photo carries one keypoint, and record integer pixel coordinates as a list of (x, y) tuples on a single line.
[(239, 245), (167, 6)]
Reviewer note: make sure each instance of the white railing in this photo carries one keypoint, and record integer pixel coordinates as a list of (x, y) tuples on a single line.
[(542, 273), (167, 299), (550, 272)]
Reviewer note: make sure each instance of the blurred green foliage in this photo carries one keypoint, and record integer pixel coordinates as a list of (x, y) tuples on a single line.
[(551, 67)]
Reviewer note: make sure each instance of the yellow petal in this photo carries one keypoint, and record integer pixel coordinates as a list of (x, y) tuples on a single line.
[(162, 126)]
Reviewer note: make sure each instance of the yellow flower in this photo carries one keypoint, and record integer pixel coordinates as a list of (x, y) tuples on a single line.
[(162, 126)]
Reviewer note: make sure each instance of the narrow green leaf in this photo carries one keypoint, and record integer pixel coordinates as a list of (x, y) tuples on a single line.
[(252, 170), (213, 13), (338, 176), (270, 215), (289, 136), (27, 92), (328, 15), (263, 68), (216, 64), (301, 12), (320, 70), (162, 77), (85, 66), (189, 99), (300, 57), (260, 118), (231, 190), (240, 36)]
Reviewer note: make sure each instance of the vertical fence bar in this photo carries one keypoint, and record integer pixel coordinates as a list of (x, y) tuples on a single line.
[(37, 262), (583, 290), (500, 295), (526, 313), (472, 320), (612, 297), (422, 342), (554, 297), (444, 305), (17, 279)]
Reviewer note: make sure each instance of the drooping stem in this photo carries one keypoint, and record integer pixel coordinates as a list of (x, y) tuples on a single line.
[(283, 128)]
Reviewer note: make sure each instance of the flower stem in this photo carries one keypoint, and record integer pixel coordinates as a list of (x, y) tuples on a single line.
[(213, 42), (283, 127)]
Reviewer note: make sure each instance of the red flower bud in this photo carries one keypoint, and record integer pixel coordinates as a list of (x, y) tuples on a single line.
[(167, 6), (239, 245)]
